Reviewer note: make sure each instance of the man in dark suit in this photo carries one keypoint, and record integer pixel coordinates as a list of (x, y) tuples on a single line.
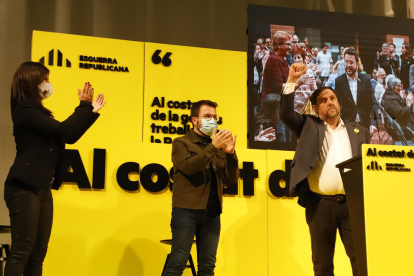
[(354, 92), (387, 62), (324, 141)]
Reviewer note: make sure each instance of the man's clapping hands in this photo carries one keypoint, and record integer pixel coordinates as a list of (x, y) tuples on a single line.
[(223, 139)]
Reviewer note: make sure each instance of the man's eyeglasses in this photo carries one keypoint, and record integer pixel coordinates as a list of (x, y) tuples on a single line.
[(209, 117), (288, 44)]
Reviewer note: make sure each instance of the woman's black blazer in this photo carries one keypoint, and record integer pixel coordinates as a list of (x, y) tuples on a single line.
[(40, 140)]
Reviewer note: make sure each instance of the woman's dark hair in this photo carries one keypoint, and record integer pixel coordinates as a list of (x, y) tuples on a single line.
[(25, 84), (408, 51), (268, 113), (372, 74)]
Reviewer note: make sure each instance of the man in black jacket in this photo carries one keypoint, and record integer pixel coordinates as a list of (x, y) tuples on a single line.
[(354, 92), (387, 62), (201, 164), (324, 141)]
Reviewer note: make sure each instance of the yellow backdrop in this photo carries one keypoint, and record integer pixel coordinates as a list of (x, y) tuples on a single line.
[(388, 207), (116, 232), (197, 74)]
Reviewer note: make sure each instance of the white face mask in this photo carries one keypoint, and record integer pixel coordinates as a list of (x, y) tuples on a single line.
[(46, 90), (208, 126)]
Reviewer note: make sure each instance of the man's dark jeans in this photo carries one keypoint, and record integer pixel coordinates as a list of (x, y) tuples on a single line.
[(185, 224), (31, 215), (325, 218)]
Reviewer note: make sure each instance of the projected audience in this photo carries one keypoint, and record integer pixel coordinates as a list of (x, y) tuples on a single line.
[(275, 75), (374, 78), (306, 40), (295, 42), (331, 80), (360, 95), (314, 53), (268, 44), (381, 135), (400, 111), (260, 57), (342, 48), (382, 79), (394, 57), (339, 66), (301, 49), (304, 88), (386, 61), (266, 119), (406, 61), (324, 60), (354, 92), (376, 60)]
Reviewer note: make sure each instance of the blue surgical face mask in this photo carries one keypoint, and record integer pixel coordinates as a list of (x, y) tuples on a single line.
[(208, 126)]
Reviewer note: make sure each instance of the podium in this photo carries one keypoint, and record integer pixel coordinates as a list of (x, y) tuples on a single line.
[(379, 186)]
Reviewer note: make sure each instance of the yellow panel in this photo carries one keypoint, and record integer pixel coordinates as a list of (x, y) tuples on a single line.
[(115, 232), (388, 207), (112, 232), (124, 90), (243, 242), (289, 240), (197, 74), (98, 228)]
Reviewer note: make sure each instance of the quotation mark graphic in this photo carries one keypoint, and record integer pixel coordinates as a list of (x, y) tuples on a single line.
[(166, 61)]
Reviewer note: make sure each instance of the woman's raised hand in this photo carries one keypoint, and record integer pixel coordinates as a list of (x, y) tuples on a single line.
[(87, 93), (98, 103)]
